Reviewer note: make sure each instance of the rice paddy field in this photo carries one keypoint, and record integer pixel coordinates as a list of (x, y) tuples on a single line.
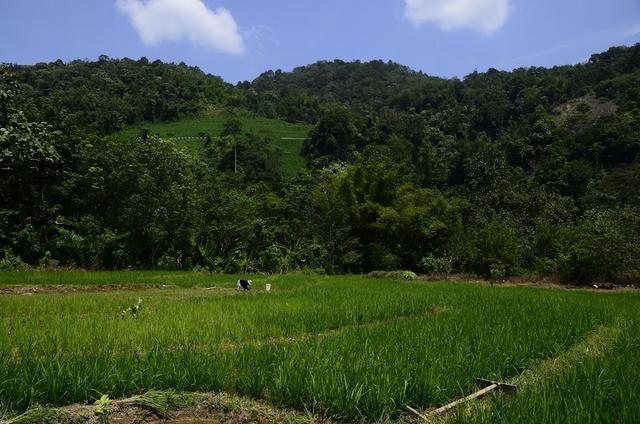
[(342, 349), (286, 138)]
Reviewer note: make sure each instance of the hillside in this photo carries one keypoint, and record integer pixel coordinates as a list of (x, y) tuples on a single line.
[(529, 172), (188, 133), (109, 94), (370, 87)]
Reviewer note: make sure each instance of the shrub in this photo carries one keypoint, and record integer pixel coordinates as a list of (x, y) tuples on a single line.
[(382, 257), (167, 263), (602, 246), (47, 262), (402, 275), (431, 264), (396, 275), (201, 269), (11, 262), (274, 258), (498, 250)]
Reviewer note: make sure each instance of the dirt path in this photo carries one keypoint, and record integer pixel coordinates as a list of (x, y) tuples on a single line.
[(170, 408)]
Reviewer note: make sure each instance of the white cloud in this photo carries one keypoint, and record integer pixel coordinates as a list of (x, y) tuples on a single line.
[(173, 20), (485, 16)]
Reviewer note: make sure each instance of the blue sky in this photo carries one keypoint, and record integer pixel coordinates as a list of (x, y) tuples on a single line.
[(239, 39)]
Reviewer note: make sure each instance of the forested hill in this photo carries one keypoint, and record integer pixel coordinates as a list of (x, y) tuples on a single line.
[(373, 86), (109, 94), (534, 171)]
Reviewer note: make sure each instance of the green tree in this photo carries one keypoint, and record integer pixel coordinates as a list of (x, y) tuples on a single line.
[(30, 166), (334, 138)]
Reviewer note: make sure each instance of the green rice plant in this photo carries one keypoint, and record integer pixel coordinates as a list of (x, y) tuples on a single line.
[(602, 388), (347, 347), (371, 372)]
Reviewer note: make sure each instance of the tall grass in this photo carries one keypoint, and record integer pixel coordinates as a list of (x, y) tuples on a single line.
[(343, 346)]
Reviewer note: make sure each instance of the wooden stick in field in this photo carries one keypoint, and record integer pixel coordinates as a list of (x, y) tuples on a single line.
[(488, 386), (417, 413)]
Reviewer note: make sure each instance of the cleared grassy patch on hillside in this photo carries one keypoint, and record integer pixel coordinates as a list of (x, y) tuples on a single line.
[(345, 347), (285, 137)]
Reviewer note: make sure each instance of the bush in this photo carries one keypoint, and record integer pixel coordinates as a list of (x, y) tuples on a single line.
[(382, 257), (11, 262), (432, 265), (201, 269), (402, 275), (602, 247), (274, 258), (395, 275), (498, 250), (168, 263), (47, 262)]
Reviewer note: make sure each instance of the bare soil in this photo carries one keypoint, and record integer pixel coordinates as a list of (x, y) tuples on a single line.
[(196, 408)]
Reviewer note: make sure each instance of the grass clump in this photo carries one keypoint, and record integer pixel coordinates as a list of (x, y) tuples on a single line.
[(41, 415), (160, 403)]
